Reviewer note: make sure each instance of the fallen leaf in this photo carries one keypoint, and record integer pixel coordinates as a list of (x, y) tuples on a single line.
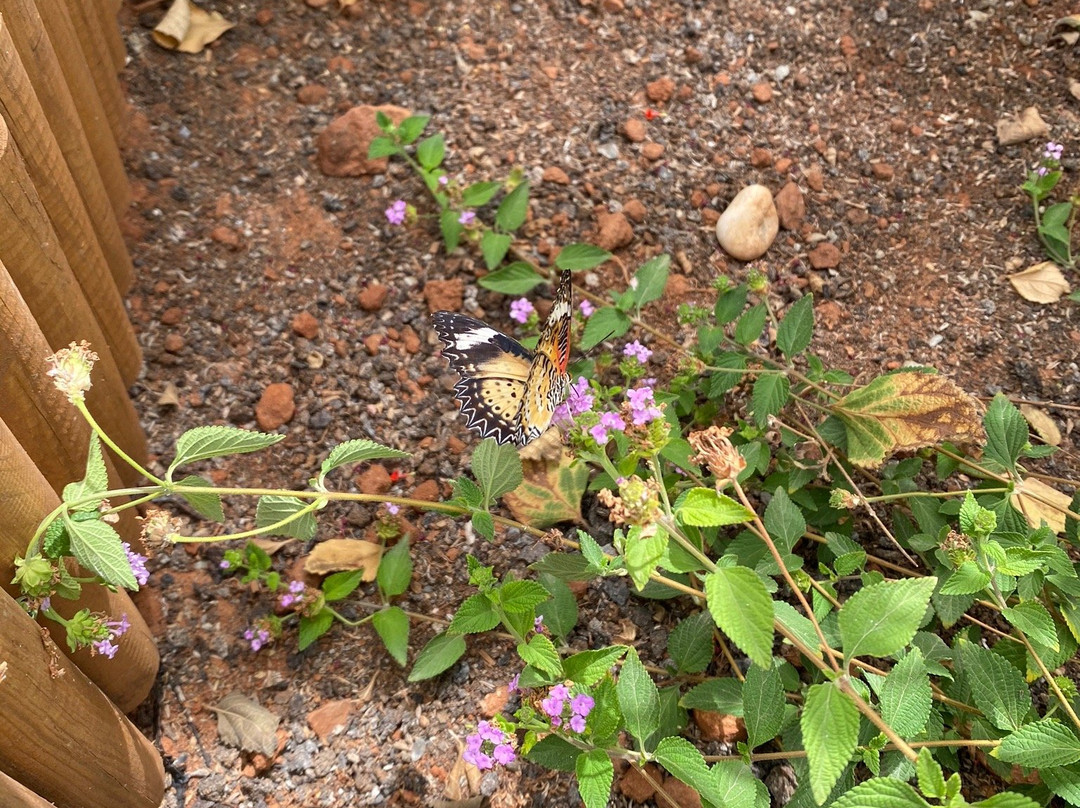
[(269, 546), (1067, 29), (335, 555), (170, 396), (1050, 506), (547, 447), (551, 491), (330, 717), (1029, 125), (188, 29), (247, 725), (1040, 283), (1043, 424)]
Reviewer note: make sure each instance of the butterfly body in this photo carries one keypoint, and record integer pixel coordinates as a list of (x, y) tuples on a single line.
[(506, 391)]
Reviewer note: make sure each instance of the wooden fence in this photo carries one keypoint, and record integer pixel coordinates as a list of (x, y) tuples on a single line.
[(64, 739)]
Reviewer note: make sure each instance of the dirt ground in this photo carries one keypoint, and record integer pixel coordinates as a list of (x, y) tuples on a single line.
[(882, 113)]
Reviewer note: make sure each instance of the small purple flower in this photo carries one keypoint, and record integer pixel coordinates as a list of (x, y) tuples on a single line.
[(257, 638), (443, 180), (1042, 171), (294, 595), (120, 627), (577, 723), (587, 308), (582, 704), (467, 217), (225, 564), (579, 399), (638, 351), (504, 754), (608, 421), (392, 508), (138, 565), (538, 624), (487, 746), (552, 706), (521, 309), (642, 407), (513, 686), (46, 604), (105, 647), (395, 214), (559, 692), (1053, 151)]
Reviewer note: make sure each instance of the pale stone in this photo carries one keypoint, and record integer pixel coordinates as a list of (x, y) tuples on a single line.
[(748, 226)]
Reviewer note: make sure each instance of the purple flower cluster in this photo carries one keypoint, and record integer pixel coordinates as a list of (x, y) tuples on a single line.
[(1053, 151), (609, 421), (489, 745), (467, 217), (643, 408), (293, 596), (555, 704), (257, 637), (637, 351), (520, 310), (395, 214), (392, 508), (138, 565), (116, 629), (587, 308)]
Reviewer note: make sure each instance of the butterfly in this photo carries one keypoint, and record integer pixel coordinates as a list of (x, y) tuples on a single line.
[(508, 392)]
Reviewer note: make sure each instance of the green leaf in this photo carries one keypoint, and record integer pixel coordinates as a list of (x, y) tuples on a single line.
[(340, 585), (881, 792), (685, 761), (451, 228), (750, 325), (553, 752), (497, 469), (392, 624), (639, 699), (880, 619), (1006, 433), (742, 608), (431, 150), (566, 567), (1007, 799), (797, 624), (412, 127), (763, 704), (651, 279), (1072, 526), (589, 667), (931, 777), (1032, 618), (720, 695), (795, 330), (1041, 744), (273, 509), (729, 367), (704, 507), (643, 553), (381, 146), (730, 304), (1065, 782), (513, 279), (493, 247), (784, 521), (484, 524), (442, 651), (830, 731), (395, 569), (479, 194), (906, 697), (95, 482), (99, 548), (690, 643), (540, 652), (513, 209), (771, 392), (357, 451), (997, 688), (560, 611), (311, 628), (581, 256), (517, 597), (207, 506), (604, 323), (967, 579), (204, 442), (595, 774), (475, 614)]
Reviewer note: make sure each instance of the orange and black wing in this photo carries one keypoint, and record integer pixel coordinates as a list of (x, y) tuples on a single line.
[(548, 382)]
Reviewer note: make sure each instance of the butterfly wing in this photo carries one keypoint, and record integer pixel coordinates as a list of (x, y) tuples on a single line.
[(494, 369), (548, 382)]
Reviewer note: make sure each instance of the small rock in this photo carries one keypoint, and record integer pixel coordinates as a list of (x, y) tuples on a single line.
[(613, 231), (340, 64), (1016, 130), (373, 296), (762, 93), (306, 325), (883, 171), (444, 295), (783, 165), (428, 491), (848, 46), (455, 444), (634, 129), (608, 150), (173, 343), (342, 148), (683, 795), (652, 151), (719, 726), (660, 90), (411, 339), (264, 16), (172, 315), (677, 285), (556, 175), (612, 6), (790, 208), (276, 407), (760, 158), (374, 480), (824, 256), (815, 179), (709, 217), (749, 224), (493, 703), (634, 210), (372, 342), (225, 235), (632, 783), (312, 94), (332, 716)]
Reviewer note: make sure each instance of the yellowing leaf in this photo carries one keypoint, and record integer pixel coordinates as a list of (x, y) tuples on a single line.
[(189, 29), (335, 555), (551, 491), (247, 725), (905, 411), (1042, 423), (1040, 503), (1040, 283)]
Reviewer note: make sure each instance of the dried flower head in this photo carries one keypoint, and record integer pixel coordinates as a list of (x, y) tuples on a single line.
[(638, 502), (70, 369), (713, 448), (157, 528)]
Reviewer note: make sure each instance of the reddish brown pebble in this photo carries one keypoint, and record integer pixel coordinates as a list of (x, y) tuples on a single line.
[(613, 231), (680, 794), (760, 158), (556, 175), (814, 178), (633, 785), (857, 216), (428, 491), (883, 171), (612, 6), (225, 235), (660, 90), (762, 93), (719, 726), (306, 325), (372, 343), (455, 444), (375, 479), (333, 715), (316, 3), (709, 217), (634, 210), (848, 46), (172, 315), (824, 256), (264, 16), (312, 94), (373, 296), (652, 151), (693, 55), (783, 165), (173, 343), (411, 339), (493, 703), (444, 295), (340, 64), (634, 129), (341, 149), (276, 407), (790, 208), (698, 198)]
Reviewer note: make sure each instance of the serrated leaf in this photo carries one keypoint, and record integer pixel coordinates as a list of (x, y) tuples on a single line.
[(357, 451), (1065, 782), (830, 731), (581, 256), (442, 651), (967, 579), (273, 510), (906, 696), (395, 569), (311, 628), (566, 567), (99, 548), (690, 644), (730, 304), (517, 597), (95, 482), (207, 506), (685, 761), (381, 146), (412, 127), (651, 279), (771, 392), (513, 209), (1032, 618), (468, 493), (882, 618), (1043, 743), (337, 555), (763, 704), (997, 688), (704, 507), (246, 725), (931, 777), (1006, 433), (643, 553), (513, 279), (451, 228), (784, 520), (551, 491), (205, 442), (589, 667), (727, 372), (720, 695), (881, 792), (595, 774), (484, 524), (750, 324), (431, 150), (796, 329), (497, 469), (742, 608), (479, 194), (493, 247), (639, 699), (1007, 799), (392, 624), (341, 584), (475, 614), (905, 411), (605, 323), (553, 752), (540, 652), (560, 611), (798, 625)]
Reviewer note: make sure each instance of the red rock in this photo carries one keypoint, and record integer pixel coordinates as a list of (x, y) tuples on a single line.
[(225, 235), (340, 64), (172, 315), (848, 46), (276, 407), (312, 94), (762, 93), (783, 165), (709, 217), (372, 342), (634, 210), (760, 158), (173, 343), (455, 444), (444, 295), (790, 208), (634, 129), (341, 148), (683, 795), (660, 90), (373, 296), (330, 717), (375, 479), (305, 324), (493, 703), (411, 339), (633, 784), (677, 285), (824, 256), (652, 151), (883, 171), (428, 491), (613, 231), (719, 726), (264, 16), (612, 6), (814, 178), (556, 175)]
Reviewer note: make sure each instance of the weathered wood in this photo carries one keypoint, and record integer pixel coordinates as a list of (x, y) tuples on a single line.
[(89, 29), (15, 795)]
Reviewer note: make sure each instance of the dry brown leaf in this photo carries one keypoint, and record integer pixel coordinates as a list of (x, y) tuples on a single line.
[(1040, 283), (189, 29), (1042, 423), (170, 396), (1049, 507), (550, 492), (1067, 29), (1029, 125), (269, 546), (336, 555)]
